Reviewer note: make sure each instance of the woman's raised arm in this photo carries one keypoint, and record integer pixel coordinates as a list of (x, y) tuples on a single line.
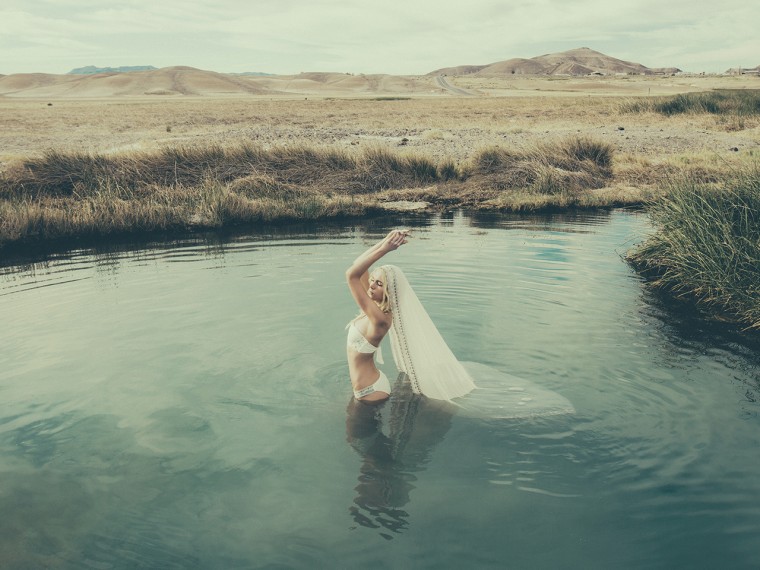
[(357, 275)]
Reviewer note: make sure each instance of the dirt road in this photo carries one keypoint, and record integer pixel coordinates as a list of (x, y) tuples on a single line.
[(442, 82)]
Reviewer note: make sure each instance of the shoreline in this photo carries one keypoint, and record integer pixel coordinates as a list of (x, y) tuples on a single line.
[(122, 167), (64, 195)]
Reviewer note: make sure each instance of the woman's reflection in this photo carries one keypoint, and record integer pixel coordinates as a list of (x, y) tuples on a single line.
[(394, 438)]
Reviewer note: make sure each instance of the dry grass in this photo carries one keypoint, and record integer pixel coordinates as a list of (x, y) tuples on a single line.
[(57, 174), (563, 167), (442, 128), (79, 193), (113, 211), (70, 194)]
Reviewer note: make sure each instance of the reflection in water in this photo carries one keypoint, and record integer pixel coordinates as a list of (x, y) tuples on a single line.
[(394, 439), (684, 326)]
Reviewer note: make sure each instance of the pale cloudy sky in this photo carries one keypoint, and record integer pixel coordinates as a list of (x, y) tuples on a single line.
[(378, 36)]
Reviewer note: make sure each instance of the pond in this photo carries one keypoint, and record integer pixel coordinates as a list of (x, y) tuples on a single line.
[(186, 404)]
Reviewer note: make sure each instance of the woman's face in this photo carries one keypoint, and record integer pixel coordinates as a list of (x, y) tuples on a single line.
[(376, 286)]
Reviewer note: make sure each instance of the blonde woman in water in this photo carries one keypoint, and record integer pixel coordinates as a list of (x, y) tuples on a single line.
[(388, 304)]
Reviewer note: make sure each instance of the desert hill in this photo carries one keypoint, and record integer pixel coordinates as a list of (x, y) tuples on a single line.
[(189, 81), (576, 62), (316, 82), (19, 82), (91, 69), (167, 81), (181, 80)]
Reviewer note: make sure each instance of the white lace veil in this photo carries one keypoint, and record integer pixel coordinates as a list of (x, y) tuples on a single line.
[(418, 348)]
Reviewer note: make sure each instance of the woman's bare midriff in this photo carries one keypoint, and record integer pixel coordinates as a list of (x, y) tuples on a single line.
[(363, 373)]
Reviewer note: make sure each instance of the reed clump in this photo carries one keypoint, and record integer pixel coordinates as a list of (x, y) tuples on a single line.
[(64, 174), (707, 246), (739, 102)]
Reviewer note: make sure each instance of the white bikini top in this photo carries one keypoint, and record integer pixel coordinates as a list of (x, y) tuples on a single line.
[(357, 342)]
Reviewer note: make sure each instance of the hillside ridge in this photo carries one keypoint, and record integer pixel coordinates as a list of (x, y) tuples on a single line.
[(575, 62)]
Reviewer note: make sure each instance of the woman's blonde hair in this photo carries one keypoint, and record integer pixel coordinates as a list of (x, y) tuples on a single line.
[(385, 304)]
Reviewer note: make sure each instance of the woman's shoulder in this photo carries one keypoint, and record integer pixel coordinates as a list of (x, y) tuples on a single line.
[(380, 319)]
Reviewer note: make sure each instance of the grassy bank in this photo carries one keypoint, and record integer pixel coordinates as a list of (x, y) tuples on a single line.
[(706, 248), (81, 194)]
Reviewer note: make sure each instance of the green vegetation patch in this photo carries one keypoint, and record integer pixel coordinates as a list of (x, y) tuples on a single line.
[(707, 246)]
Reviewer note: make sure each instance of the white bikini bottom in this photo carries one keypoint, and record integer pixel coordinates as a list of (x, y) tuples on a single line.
[(381, 385)]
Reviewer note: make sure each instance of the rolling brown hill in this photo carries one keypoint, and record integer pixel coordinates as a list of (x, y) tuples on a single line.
[(183, 81), (575, 62), (166, 81), (19, 82), (318, 82)]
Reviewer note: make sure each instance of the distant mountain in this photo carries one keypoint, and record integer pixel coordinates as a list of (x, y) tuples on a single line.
[(91, 69), (574, 62)]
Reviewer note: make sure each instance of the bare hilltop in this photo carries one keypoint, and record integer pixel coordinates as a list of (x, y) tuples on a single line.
[(576, 62)]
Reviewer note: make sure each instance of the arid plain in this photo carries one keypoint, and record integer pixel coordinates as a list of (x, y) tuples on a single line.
[(416, 114)]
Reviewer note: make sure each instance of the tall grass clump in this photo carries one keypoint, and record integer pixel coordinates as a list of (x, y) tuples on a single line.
[(742, 102), (70, 194), (379, 168), (60, 174), (562, 167), (447, 170), (706, 247)]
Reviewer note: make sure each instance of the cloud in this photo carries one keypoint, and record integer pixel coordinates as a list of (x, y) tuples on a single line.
[(395, 36)]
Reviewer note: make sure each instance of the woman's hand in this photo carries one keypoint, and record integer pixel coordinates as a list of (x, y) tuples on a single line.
[(357, 276), (395, 239)]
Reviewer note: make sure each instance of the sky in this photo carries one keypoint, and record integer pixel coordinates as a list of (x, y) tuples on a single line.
[(400, 37)]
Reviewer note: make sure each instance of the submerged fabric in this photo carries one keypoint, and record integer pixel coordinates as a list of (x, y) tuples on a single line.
[(382, 384), (502, 396), (418, 348)]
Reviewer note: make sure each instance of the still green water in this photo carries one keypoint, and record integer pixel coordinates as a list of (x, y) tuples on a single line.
[(186, 404)]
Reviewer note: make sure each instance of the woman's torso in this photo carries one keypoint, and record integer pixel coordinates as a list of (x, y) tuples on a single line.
[(362, 345)]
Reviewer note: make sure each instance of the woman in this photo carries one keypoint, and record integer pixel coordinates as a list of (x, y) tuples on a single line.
[(388, 304)]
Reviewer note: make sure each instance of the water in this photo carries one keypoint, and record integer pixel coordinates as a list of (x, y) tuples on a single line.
[(185, 404)]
